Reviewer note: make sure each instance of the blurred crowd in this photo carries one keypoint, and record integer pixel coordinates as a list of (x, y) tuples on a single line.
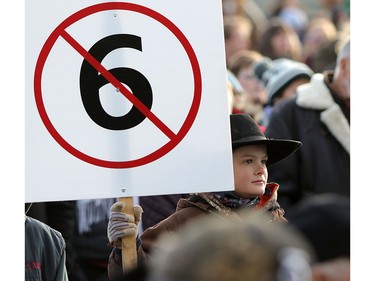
[(289, 69)]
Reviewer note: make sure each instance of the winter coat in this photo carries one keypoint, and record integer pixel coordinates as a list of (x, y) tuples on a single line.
[(195, 206), (322, 164), (156, 208), (44, 252)]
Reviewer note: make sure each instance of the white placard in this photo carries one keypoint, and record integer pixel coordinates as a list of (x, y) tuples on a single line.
[(125, 99)]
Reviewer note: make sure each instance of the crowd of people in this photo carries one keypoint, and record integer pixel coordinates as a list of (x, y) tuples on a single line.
[(288, 217)]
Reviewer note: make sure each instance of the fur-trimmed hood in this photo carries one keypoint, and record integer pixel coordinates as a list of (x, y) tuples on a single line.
[(316, 95)]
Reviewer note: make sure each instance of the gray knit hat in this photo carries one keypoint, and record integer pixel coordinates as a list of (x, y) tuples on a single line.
[(279, 73)]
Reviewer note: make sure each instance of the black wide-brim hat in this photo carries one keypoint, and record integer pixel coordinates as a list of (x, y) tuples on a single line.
[(245, 131)]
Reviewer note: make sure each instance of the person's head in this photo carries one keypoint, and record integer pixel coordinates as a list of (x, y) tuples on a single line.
[(339, 11), (341, 77), (320, 31), (281, 77), (237, 34), (293, 14), (324, 58), (241, 64), (228, 249), (280, 41), (253, 153), (232, 7), (324, 221)]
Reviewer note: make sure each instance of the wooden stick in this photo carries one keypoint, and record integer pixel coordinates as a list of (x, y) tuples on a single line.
[(128, 246)]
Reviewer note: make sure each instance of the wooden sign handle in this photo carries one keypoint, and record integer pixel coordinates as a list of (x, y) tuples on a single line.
[(128, 246)]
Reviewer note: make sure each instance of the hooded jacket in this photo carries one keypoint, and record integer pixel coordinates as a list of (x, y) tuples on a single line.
[(322, 164)]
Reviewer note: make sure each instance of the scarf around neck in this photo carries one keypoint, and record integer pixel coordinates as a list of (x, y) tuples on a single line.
[(233, 201), (227, 201)]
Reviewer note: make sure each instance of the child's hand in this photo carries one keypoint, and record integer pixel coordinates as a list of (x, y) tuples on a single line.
[(122, 225)]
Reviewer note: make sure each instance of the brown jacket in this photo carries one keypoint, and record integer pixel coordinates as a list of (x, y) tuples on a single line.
[(187, 209)]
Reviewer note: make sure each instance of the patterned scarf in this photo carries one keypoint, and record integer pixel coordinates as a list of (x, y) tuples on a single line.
[(226, 201), (233, 201)]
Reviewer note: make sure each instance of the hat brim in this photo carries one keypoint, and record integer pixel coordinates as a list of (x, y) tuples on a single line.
[(277, 149)]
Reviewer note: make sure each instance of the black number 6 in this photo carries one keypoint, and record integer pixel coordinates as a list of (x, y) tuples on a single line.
[(91, 81)]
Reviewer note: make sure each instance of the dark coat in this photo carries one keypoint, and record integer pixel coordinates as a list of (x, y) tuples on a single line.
[(322, 164)]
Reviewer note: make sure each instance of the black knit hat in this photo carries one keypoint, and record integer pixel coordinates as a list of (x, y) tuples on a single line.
[(245, 131)]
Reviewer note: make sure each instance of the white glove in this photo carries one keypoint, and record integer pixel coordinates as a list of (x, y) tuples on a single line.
[(122, 225)]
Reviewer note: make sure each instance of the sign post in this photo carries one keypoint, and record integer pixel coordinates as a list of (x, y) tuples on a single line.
[(128, 244)]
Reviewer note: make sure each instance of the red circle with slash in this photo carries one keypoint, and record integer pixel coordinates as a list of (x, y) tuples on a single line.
[(60, 31)]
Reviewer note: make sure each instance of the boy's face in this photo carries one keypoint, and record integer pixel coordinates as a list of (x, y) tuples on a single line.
[(250, 170)]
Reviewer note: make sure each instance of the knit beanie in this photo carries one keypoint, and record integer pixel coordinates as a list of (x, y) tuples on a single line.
[(276, 75)]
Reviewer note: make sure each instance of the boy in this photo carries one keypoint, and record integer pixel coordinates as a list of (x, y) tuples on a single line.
[(252, 153)]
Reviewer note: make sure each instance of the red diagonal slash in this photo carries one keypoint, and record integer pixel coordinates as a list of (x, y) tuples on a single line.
[(118, 85)]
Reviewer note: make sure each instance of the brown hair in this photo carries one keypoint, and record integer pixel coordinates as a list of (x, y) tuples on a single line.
[(276, 27), (243, 59)]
